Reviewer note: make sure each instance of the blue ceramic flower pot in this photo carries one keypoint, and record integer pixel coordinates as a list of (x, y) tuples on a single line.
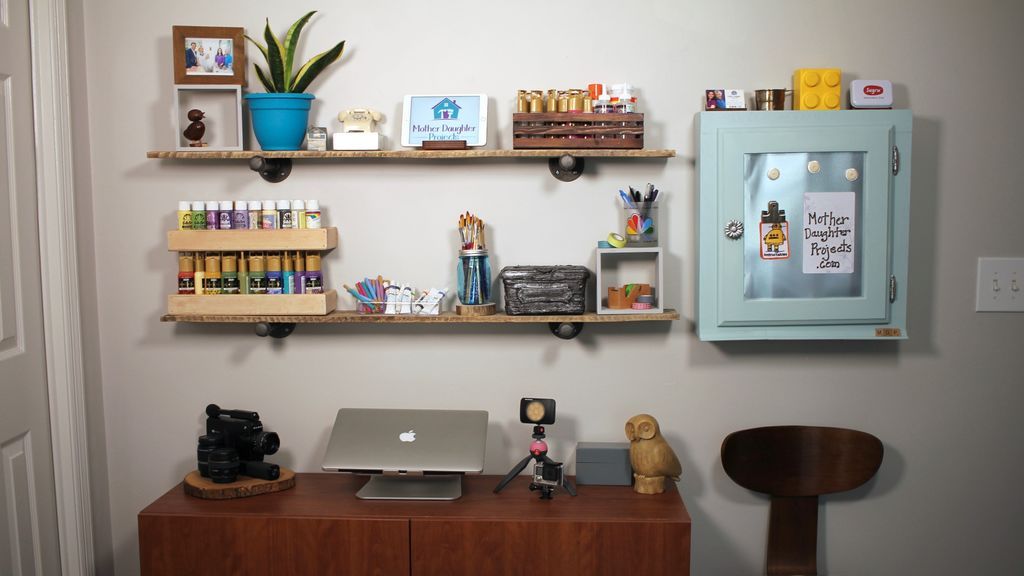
[(279, 119)]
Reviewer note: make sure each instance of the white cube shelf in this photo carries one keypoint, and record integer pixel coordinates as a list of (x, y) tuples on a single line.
[(619, 266), (222, 105)]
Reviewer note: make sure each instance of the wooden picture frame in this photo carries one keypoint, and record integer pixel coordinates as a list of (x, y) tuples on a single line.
[(204, 66)]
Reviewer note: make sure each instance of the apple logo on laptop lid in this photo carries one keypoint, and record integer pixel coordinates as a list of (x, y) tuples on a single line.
[(409, 436)]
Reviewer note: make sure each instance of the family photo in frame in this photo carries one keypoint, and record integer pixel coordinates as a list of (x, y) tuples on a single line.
[(208, 55)]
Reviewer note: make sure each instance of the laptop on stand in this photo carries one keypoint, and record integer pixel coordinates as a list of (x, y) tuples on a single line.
[(408, 454)]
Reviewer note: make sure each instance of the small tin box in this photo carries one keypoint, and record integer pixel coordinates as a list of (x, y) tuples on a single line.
[(871, 94), (603, 463)]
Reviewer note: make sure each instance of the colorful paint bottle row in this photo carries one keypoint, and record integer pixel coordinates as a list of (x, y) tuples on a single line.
[(209, 273), (248, 215)]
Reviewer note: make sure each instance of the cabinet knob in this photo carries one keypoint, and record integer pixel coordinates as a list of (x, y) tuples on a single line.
[(733, 229)]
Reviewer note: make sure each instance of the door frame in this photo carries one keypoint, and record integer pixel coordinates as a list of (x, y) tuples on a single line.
[(65, 377)]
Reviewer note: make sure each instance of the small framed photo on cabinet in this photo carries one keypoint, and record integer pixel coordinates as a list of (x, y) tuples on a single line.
[(208, 55)]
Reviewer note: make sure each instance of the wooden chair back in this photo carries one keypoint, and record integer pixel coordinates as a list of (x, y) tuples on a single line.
[(795, 465)]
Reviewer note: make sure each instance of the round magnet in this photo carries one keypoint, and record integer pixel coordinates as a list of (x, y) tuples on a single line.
[(773, 174), (852, 174), (814, 167)]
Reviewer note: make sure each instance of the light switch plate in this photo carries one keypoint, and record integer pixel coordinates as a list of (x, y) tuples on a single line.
[(1000, 285)]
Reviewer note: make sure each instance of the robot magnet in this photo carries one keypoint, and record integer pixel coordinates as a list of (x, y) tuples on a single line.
[(774, 233)]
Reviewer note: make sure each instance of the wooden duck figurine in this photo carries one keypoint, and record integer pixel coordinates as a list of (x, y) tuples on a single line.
[(196, 129)]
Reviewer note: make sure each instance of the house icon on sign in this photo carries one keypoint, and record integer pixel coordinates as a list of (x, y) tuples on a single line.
[(446, 109)]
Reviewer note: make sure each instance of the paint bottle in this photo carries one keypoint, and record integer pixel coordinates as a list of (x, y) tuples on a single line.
[(312, 214), (284, 214), (186, 273), (229, 274), (200, 271), (298, 214), (314, 281), (184, 216), (198, 216), (254, 215), (225, 214), (288, 274), (274, 281), (240, 217), (212, 282), (257, 277), (300, 272), (212, 215), (243, 273), (268, 218)]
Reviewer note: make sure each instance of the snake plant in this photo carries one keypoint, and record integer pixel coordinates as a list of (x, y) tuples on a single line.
[(280, 57)]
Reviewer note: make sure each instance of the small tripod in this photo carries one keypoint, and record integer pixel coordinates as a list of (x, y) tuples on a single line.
[(539, 453)]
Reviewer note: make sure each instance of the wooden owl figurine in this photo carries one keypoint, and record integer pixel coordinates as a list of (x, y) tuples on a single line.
[(652, 458)]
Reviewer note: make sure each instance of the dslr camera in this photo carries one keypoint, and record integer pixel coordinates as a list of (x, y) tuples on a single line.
[(235, 443)]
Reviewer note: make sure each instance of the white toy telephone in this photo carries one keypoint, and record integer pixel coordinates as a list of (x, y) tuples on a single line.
[(359, 119)]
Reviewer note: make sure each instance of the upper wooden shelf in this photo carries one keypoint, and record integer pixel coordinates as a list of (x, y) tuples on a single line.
[(247, 240), (413, 154), (564, 326), (565, 164), (354, 317)]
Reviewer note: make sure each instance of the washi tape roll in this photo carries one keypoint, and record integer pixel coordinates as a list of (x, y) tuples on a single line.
[(616, 240), (645, 299), (642, 306), (603, 244)]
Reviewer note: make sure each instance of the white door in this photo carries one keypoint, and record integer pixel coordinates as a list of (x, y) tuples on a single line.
[(28, 510)]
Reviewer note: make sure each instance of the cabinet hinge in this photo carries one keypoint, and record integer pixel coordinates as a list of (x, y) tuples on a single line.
[(892, 289), (895, 160)]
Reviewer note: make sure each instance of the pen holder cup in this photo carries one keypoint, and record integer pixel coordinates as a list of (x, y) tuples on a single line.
[(641, 224), (473, 274)]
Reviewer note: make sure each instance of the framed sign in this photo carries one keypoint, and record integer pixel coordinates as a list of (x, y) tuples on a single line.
[(208, 55), (444, 117)]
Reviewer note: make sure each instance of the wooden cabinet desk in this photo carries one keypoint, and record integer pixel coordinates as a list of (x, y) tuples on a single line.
[(320, 527)]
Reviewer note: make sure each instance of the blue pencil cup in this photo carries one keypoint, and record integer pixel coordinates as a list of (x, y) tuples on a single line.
[(279, 119)]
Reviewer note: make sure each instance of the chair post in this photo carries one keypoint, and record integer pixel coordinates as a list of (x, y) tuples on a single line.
[(793, 536)]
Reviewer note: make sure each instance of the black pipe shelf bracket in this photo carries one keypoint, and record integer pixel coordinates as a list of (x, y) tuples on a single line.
[(566, 167), (565, 330), (274, 329), (272, 170)]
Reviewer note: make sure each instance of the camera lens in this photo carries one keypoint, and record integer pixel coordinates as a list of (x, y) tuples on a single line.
[(207, 444), (266, 442), (223, 465)]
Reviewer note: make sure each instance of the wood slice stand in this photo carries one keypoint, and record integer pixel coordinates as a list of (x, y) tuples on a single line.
[(196, 485), (476, 309)]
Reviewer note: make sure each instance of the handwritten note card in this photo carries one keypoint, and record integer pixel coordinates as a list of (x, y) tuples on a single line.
[(829, 234)]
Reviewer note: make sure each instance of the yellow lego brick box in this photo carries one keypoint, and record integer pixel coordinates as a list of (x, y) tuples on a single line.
[(817, 88)]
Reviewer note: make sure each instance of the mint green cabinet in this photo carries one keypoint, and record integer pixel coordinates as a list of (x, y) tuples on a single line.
[(803, 224)]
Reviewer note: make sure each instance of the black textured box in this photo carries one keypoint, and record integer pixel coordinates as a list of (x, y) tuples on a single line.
[(545, 289)]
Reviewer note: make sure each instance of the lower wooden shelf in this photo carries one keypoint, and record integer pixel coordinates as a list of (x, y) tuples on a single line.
[(565, 326)]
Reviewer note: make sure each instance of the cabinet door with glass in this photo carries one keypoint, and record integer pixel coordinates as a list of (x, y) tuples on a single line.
[(803, 224)]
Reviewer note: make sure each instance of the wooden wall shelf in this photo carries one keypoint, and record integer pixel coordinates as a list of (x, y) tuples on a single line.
[(408, 154), (251, 240), (564, 326), (565, 164)]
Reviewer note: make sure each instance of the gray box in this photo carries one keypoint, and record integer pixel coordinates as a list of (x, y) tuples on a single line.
[(603, 463)]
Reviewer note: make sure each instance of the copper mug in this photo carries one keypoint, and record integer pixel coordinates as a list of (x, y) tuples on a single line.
[(774, 99)]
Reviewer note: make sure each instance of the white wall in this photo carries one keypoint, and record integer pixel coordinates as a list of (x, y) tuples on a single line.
[(945, 403)]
